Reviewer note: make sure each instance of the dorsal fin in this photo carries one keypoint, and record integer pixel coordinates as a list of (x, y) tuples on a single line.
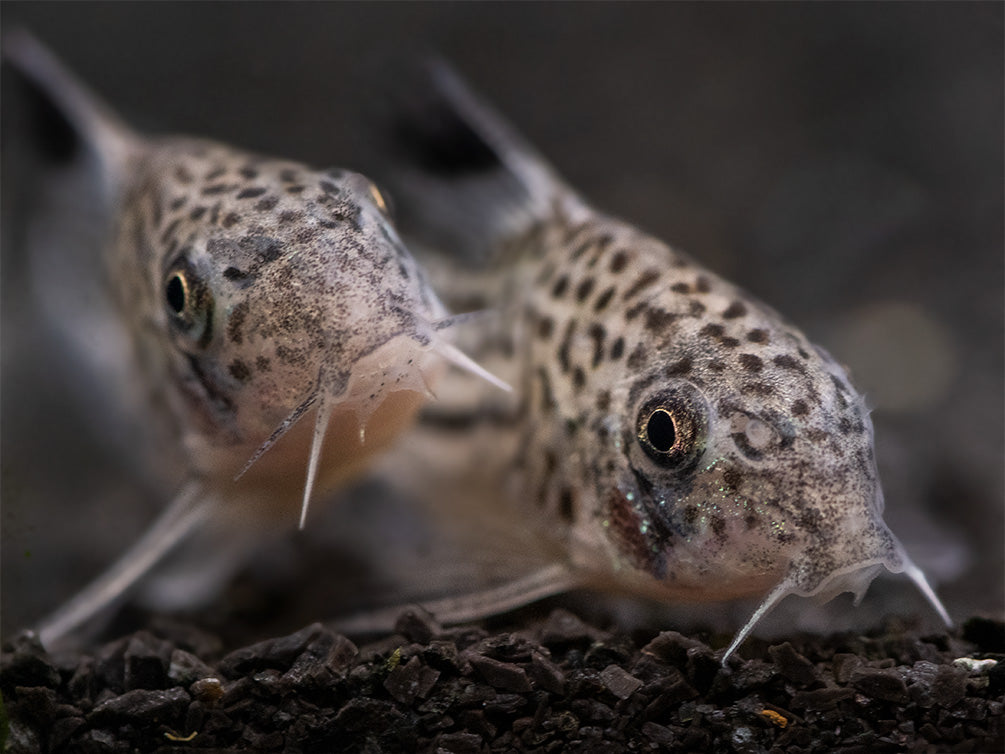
[(463, 177), (67, 118)]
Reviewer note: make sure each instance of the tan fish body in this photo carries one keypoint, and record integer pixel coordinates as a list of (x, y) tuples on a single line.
[(252, 292), (668, 433)]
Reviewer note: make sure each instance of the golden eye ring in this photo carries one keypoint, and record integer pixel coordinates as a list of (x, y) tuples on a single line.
[(672, 427), (176, 292), (188, 302)]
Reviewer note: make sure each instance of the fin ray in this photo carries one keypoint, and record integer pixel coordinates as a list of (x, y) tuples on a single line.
[(466, 177), (189, 508), (545, 582)]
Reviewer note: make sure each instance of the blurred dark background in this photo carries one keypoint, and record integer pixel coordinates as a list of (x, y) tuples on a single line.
[(841, 161)]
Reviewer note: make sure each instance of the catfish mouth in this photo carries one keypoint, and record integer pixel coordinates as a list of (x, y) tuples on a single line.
[(356, 419), (854, 577)]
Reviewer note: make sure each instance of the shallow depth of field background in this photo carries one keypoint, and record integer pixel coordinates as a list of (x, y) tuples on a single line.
[(842, 162)]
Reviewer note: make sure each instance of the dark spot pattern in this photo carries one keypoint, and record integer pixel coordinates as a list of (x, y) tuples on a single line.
[(236, 321), (217, 188), (584, 289), (565, 345), (644, 280), (581, 249), (618, 262), (547, 396), (560, 287), (603, 299), (751, 363), (239, 370), (787, 362), (757, 335), (545, 327), (637, 357), (635, 310), (598, 335), (717, 331), (799, 408), (566, 505), (169, 231), (732, 478), (599, 249), (251, 193), (233, 274), (658, 320), (618, 349), (680, 368), (735, 310)]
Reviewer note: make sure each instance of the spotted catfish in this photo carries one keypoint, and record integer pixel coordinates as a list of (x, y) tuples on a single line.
[(241, 293), (669, 433)]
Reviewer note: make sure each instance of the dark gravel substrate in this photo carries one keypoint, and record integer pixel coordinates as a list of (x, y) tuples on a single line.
[(558, 684)]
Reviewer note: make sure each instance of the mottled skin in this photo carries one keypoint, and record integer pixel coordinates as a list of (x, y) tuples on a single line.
[(297, 288), (771, 465), (671, 433)]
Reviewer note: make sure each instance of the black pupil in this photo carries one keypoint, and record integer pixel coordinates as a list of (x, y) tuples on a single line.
[(660, 431), (175, 293)]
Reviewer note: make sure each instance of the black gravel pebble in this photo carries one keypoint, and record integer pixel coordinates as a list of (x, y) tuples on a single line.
[(556, 685)]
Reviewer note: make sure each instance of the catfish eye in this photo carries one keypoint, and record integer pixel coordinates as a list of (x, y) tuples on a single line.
[(672, 427), (188, 302), (176, 292)]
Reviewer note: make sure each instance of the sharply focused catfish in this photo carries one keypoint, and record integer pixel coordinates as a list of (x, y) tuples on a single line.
[(228, 296), (668, 433)]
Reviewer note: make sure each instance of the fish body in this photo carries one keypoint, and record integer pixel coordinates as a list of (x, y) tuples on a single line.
[(669, 433), (231, 295)]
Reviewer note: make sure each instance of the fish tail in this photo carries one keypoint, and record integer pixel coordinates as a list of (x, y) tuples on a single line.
[(464, 178)]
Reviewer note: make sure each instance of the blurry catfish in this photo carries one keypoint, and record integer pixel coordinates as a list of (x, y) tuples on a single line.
[(228, 296)]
